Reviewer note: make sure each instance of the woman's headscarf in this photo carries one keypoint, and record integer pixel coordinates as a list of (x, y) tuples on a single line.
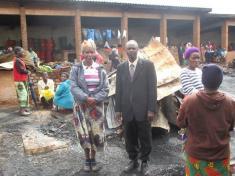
[(88, 45), (189, 51)]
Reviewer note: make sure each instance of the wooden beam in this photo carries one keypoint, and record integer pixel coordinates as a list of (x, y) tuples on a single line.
[(196, 32), (108, 14), (23, 27), (143, 15), (231, 23), (224, 35), (50, 12), (78, 34), (9, 11), (163, 30), (179, 17), (124, 28)]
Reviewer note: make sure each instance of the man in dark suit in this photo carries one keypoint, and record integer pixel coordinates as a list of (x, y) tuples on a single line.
[(136, 105)]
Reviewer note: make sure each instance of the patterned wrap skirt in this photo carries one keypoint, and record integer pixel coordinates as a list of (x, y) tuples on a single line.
[(195, 167), (89, 125), (22, 93)]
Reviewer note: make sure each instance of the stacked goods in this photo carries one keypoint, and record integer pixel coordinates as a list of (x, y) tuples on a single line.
[(6, 58), (9, 57), (44, 68), (27, 59)]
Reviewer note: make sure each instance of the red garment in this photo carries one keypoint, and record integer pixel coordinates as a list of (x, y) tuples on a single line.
[(208, 119), (18, 77), (98, 58)]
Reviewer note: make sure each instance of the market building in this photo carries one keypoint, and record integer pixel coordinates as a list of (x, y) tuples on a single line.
[(56, 28)]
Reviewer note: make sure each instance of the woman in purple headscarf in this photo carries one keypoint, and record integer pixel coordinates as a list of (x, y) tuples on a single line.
[(191, 75)]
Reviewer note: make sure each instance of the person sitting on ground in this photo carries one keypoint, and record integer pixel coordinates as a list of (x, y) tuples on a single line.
[(209, 116), (191, 75), (46, 91), (63, 98)]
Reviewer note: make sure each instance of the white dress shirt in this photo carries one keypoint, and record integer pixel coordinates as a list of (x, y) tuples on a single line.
[(133, 63)]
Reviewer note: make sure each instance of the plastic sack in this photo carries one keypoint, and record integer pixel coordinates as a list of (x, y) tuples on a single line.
[(110, 115), (47, 94)]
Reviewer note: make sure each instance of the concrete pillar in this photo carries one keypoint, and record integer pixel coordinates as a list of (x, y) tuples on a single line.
[(124, 27), (78, 34), (163, 30), (224, 35), (23, 28), (196, 32)]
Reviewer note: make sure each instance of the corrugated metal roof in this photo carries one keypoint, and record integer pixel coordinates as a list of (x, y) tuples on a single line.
[(185, 5), (175, 3), (215, 7), (153, 4)]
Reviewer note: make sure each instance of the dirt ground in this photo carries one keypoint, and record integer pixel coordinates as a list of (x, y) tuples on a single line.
[(166, 156)]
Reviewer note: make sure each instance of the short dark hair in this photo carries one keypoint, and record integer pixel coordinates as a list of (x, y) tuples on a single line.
[(66, 74), (17, 50), (212, 76)]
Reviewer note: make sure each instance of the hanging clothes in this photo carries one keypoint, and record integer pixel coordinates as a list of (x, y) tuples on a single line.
[(124, 34), (98, 35), (108, 34), (84, 33), (91, 34), (119, 34), (106, 45)]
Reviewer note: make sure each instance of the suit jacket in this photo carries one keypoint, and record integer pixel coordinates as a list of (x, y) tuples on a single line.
[(135, 98)]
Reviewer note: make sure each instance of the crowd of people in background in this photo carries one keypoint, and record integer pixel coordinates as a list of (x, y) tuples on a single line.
[(210, 52)]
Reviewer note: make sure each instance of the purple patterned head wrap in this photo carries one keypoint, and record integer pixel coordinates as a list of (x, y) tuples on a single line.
[(189, 51)]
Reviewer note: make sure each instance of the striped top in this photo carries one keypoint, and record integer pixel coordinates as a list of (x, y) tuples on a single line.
[(191, 80), (91, 76)]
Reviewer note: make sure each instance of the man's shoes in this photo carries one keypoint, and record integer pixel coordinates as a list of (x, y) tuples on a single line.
[(132, 165), (144, 168)]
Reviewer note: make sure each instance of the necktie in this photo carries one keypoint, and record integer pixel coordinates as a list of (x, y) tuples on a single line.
[(132, 71)]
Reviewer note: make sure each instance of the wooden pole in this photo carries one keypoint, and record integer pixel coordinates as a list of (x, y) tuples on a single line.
[(224, 35), (23, 27), (163, 30), (124, 28), (78, 34), (196, 32)]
